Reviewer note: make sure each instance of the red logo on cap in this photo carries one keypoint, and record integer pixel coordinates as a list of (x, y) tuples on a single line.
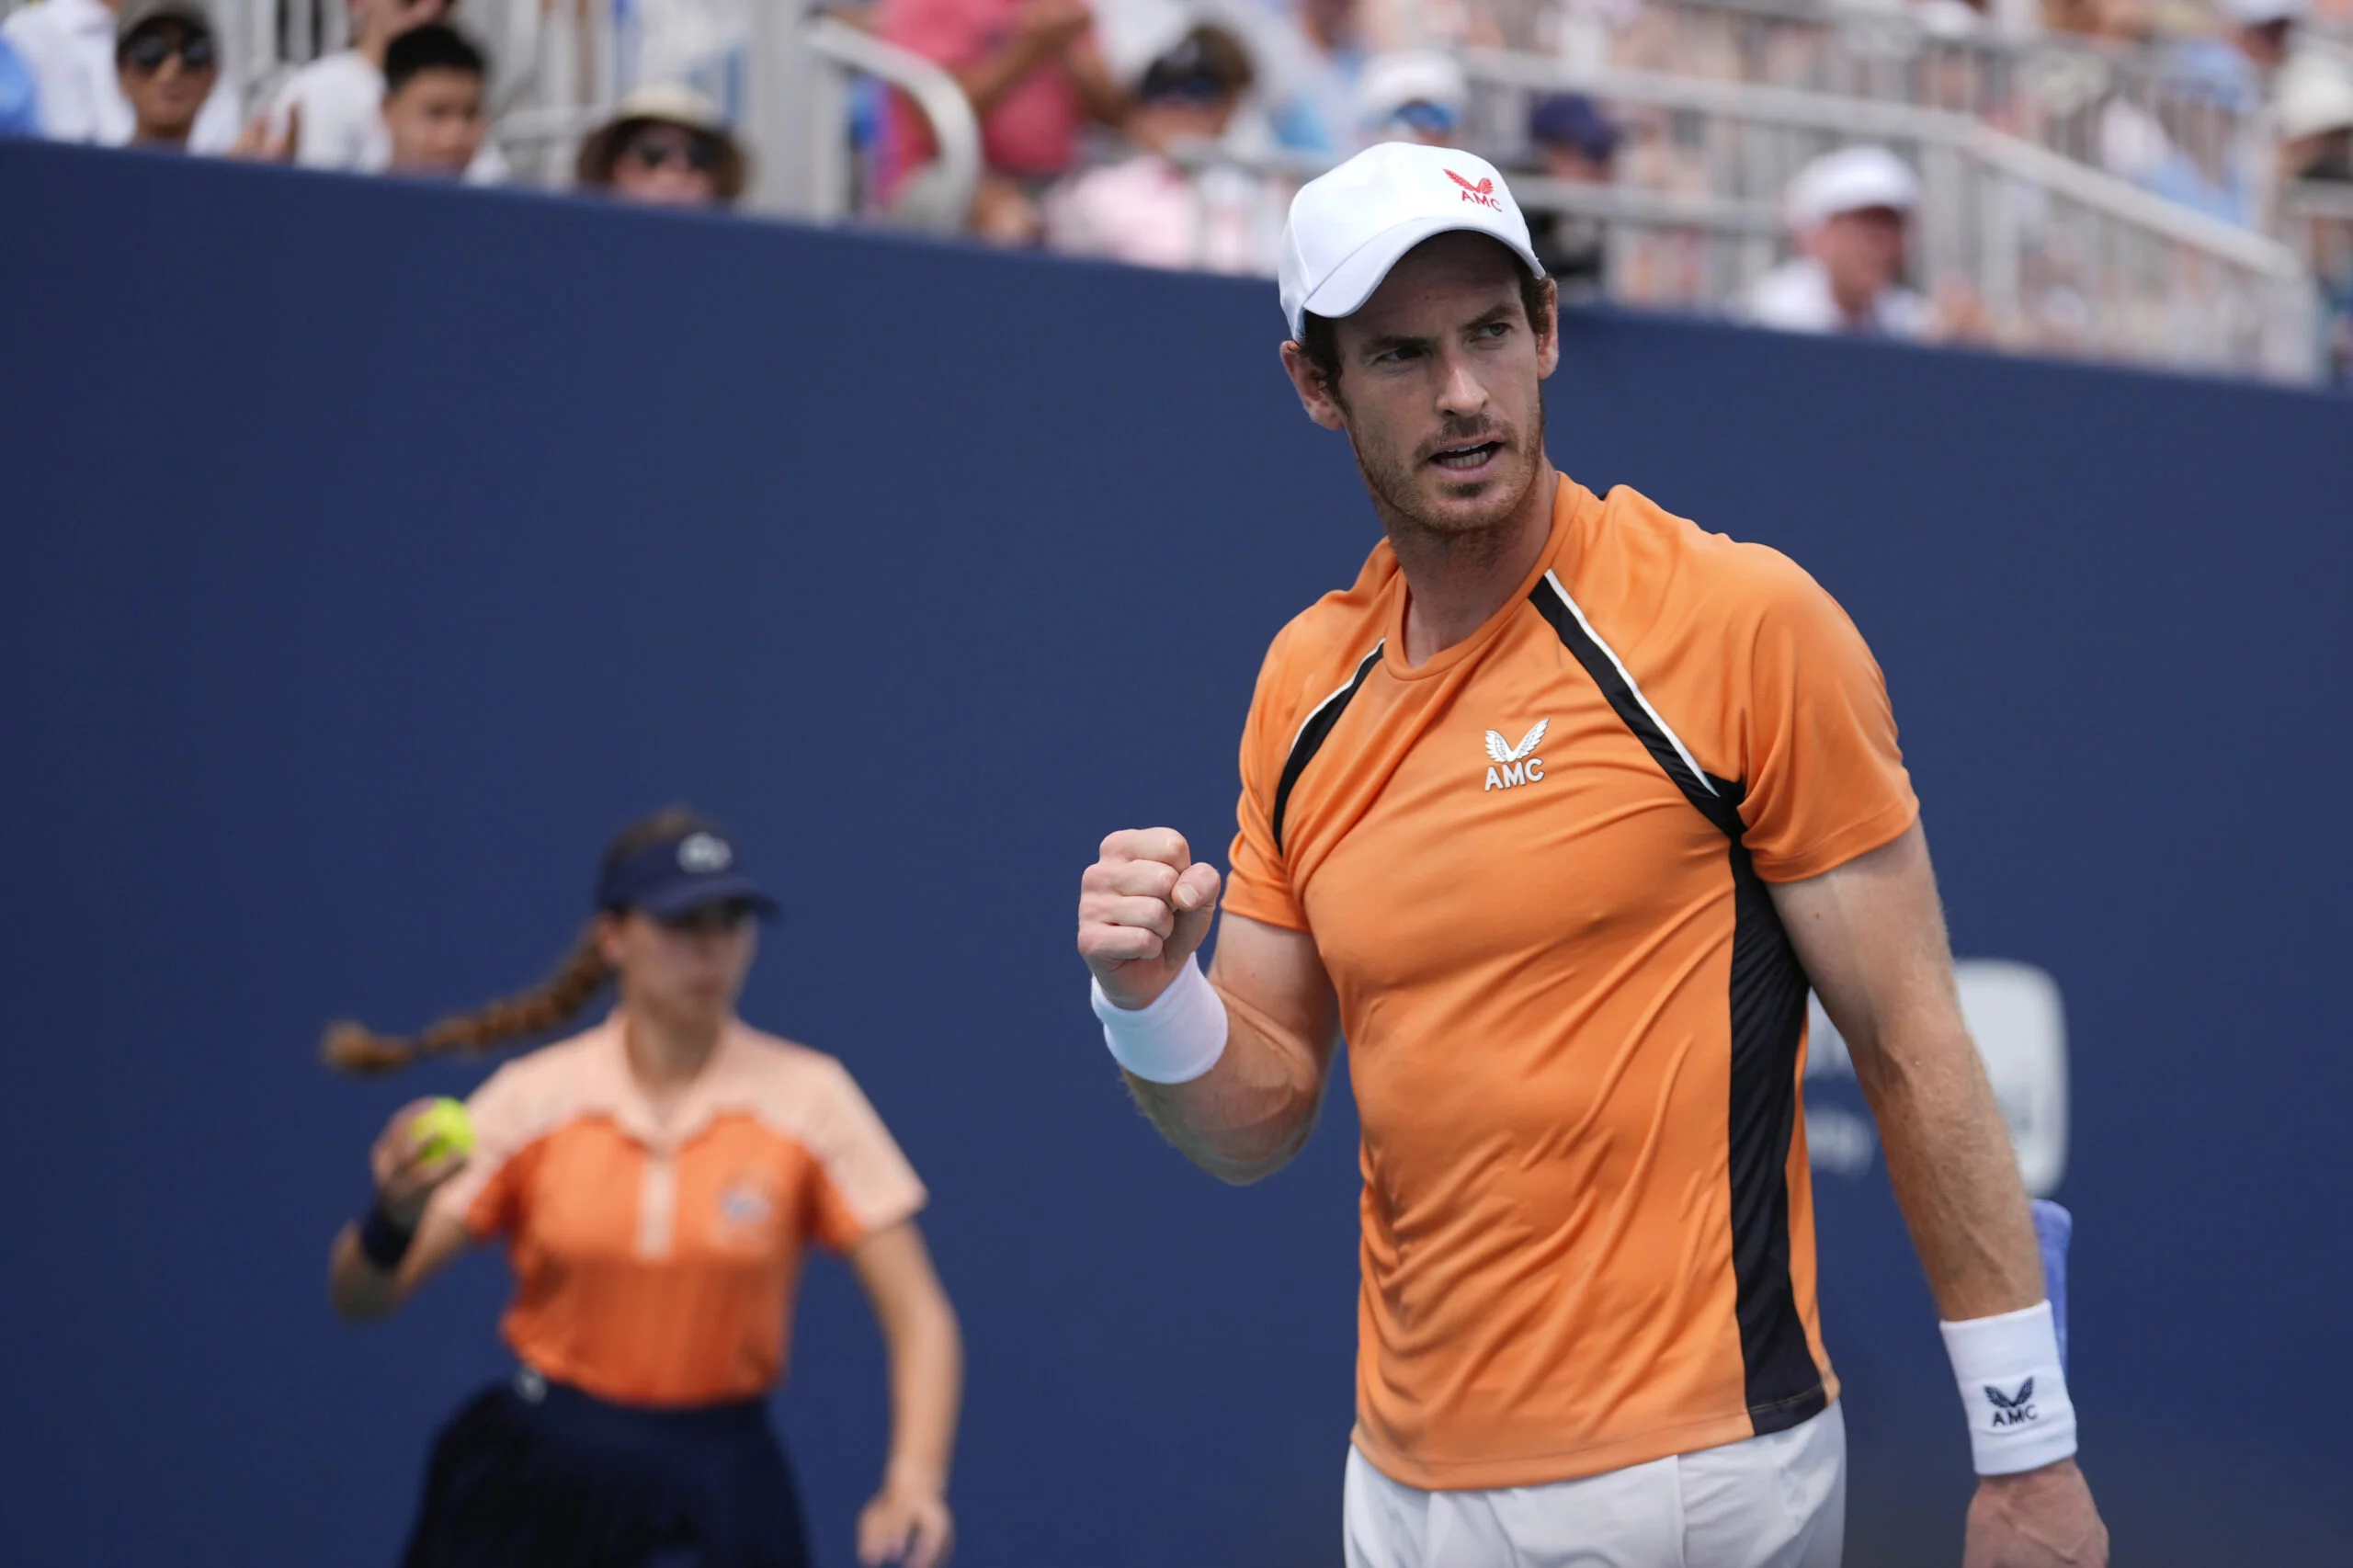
[(1484, 193)]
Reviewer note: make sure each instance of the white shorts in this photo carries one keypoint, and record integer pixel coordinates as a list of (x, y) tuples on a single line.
[(1777, 1501)]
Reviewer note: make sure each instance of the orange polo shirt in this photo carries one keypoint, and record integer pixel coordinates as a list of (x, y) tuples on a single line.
[(1535, 867), (655, 1258)]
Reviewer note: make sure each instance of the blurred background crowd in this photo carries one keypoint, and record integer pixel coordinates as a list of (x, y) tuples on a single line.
[(2166, 182)]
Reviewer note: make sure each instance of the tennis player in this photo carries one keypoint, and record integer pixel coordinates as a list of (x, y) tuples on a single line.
[(657, 1181), (1555, 813)]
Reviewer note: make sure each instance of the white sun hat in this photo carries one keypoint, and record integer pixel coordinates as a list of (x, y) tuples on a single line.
[(1852, 180), (2263, 13), (1347, 228), (2314, 96)]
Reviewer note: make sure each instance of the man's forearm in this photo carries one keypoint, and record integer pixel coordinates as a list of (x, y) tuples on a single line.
[(1949, 1157), (1247, 1115)]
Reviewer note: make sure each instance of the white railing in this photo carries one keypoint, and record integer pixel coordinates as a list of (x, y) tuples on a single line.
[(2051, 257), (2061, 257), (2317, 218), (2139, 110), (558, 67), (2053, 253), (835, 183)]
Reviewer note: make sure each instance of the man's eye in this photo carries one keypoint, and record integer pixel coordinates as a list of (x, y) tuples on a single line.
[(1494, 329)]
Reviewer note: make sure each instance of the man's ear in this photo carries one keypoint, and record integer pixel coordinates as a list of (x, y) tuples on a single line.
[(1314, 393), (1548, 356)]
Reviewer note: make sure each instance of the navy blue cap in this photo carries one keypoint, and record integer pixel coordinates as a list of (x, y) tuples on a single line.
[(680, 875), (1571, 120)]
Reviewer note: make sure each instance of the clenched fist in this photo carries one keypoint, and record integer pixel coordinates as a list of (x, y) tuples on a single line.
[(1144, 907)]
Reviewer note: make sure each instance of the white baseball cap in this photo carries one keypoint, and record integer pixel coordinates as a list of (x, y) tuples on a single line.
[(1852, 180), (2314, 96), (1410, 76), (1347, 228), (2263, 13)]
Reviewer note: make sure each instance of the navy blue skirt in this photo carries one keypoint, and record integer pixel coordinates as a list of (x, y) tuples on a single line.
[(536, 1472)]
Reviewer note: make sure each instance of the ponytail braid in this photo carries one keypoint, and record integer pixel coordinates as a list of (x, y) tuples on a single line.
[(546, 1007)]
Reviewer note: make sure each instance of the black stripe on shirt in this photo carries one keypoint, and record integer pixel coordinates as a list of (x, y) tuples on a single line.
[(1766, 1004), (1310, 739)]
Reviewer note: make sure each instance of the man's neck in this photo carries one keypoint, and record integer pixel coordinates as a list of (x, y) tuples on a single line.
[(1853, 304), (374, 39), (1454, 583)]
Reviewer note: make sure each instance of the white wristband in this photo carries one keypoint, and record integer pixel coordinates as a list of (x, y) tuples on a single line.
[(1174, 1040), (2011, 1384)]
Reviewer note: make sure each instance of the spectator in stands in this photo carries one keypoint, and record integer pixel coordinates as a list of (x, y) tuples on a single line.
[(1149, 210), (69, 47), (19, 111), (433, 84), (1310, 56), (1848, 211), (1578, 145), (332, 110), (1034, 73), (168, 62), (2315, 123), (2262, 29), (1413, 96), (2238, 68), (2315, 119), (665, 146)]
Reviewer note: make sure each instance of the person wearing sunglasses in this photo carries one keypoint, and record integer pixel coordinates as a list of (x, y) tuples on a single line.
[(1413, 95), (70, 49), (658, 1182), (168, 61), (665, 146)]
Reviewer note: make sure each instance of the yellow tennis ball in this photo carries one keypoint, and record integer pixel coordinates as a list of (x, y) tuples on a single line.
[(442, 1129)]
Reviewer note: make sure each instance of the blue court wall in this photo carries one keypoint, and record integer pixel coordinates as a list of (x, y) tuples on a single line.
[(372, 551)]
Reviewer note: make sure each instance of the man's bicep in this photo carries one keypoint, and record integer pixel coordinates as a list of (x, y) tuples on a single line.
[(1871, 936), (1277, 972)]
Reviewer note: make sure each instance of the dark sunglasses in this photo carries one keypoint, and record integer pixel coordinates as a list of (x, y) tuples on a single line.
[(700, 152), (147, 53)]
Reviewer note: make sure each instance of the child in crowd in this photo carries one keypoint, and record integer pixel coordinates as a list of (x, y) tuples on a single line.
[(331, 112), (433, 83)]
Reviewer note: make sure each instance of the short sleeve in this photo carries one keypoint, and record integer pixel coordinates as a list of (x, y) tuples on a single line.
[(1258, 885), (864, 1184), (1826, 778), (488, 1197)]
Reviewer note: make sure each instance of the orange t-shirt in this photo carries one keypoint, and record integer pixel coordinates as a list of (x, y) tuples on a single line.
[(1535, 868), (655, 1256)]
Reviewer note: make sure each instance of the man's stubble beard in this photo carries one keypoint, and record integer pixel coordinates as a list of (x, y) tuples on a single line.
[(1391, 479)]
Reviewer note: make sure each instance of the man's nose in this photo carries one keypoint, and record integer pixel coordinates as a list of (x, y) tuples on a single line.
[(1460, 394)]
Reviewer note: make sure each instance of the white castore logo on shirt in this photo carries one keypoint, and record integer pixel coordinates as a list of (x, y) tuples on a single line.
[(1514, 765)]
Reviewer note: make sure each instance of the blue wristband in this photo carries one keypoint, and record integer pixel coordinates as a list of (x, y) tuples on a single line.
[(382, 1243)]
